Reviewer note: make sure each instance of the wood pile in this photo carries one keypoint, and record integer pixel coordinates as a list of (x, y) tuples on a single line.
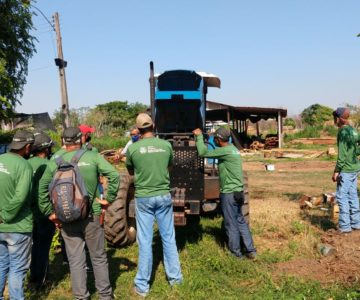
[(271, 142), (256, 145), (325, 202)]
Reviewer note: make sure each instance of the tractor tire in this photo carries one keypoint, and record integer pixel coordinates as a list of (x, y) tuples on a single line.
[(245, 208), (120, 230)]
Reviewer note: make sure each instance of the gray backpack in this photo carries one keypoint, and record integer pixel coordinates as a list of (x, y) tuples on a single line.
[(68, 192)]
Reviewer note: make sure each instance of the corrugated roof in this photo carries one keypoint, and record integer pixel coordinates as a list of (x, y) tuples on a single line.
[(219, 111)]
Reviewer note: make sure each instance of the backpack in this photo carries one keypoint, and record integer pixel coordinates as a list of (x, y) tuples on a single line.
[(68, 192)]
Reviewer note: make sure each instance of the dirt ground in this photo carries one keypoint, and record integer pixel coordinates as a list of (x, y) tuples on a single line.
[(343, 266), (296, 178)]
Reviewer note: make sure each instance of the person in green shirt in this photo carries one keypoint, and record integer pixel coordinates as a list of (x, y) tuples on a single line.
[(86, 137), (346, 172), (89, 230), (44, 229), (16, 222), (149, 159), (231, 189)]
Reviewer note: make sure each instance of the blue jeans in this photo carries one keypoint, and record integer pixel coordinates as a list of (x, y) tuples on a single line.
[(15, 249), (348, 201), (147, 209), (235, 225)]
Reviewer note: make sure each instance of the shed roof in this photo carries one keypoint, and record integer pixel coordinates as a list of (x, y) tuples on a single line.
[(218, 111)]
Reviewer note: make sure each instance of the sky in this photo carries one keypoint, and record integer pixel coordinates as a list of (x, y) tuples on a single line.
[(279, 53)]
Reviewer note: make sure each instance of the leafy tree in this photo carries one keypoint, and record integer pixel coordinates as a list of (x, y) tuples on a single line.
[(354, 114), (58, 118), (316, 115), (117, 115), (290, 122), (16, 48)]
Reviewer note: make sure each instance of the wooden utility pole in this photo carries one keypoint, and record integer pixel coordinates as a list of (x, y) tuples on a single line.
[(61, 63)]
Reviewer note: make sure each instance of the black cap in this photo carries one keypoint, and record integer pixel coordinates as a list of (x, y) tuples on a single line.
[(72, 135), (42, 141), (21, 139), (222, 133)]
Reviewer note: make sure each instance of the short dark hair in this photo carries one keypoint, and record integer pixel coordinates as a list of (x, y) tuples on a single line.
[(146, 129)]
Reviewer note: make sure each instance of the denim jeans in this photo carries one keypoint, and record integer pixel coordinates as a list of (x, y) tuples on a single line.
[(147, 209), (235, 225), (348, 201), (75, 235), (43, 233), (15, 249)]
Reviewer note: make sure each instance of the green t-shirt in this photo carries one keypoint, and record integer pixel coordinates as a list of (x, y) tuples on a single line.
[(91, 165), (38, 165), (229, 163), (347, 140), (15, 197), (150, 159)]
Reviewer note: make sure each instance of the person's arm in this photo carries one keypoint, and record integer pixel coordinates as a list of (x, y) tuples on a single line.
[(113, 177), (204, 151), (44, 203), (129, 163), (341, 160), (22, 190), (123, 151)]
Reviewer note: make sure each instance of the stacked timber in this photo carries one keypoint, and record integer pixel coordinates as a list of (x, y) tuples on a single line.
[(256, 145), (271, 142)]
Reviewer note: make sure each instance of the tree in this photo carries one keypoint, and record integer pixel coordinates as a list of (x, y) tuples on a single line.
[(354, 114), (16, 48), (58, 118), (316, 115), (117, 115), (290, 122)]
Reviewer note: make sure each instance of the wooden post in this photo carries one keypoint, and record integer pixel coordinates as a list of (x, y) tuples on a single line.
[(62, 64), (279, 129)]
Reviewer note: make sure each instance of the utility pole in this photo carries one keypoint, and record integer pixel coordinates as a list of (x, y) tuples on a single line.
[(61, 63)]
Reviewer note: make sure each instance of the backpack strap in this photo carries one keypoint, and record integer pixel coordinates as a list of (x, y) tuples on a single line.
[(59, 160), (78, 155)]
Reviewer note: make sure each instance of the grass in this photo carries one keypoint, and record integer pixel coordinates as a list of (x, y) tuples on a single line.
[(280, 233)]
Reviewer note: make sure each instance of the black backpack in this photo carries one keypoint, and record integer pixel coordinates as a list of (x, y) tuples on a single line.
[(68, 192)]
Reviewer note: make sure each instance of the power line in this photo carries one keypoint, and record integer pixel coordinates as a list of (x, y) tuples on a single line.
[(52, 26)]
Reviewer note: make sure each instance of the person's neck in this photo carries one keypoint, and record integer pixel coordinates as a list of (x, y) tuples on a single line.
[(70, 148), (41, 155), (147, 135)]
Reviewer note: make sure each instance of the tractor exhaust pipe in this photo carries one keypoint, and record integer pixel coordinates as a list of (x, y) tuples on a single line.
[(152, 91)]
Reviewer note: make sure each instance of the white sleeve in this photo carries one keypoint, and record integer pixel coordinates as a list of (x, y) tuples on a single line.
[(123, 152)]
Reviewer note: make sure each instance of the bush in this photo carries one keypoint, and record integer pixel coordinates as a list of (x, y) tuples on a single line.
[(307, 132), (290, 122)]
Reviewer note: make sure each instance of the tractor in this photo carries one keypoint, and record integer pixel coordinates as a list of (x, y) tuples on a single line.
[(178, 106)]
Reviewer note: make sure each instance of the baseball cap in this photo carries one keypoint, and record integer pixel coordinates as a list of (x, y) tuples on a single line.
[(42, 141), (71, 135), (21, 139), (143, 121), (341, 112), (86, 129), (223, 133)]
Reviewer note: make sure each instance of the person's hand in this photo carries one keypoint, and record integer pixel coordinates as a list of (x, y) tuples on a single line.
[(53, 218), (197, 131), (335, 176), (103, 202)]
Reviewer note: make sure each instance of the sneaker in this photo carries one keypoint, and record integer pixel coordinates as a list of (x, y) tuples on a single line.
[(141, 294), (251, 255)]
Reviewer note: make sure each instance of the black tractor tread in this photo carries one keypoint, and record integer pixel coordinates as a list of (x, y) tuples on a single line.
[(116, 223)]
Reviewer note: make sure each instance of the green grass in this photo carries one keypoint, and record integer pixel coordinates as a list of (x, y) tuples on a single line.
[(210, 271)]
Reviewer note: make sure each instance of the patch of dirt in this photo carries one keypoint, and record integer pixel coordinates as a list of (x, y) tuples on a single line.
[(296, 166), (343, 266)]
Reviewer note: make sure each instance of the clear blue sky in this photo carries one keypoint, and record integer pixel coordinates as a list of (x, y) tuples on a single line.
[(279, 53)]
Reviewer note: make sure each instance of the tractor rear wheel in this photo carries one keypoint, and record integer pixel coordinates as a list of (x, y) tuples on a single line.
[(119, 228)]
